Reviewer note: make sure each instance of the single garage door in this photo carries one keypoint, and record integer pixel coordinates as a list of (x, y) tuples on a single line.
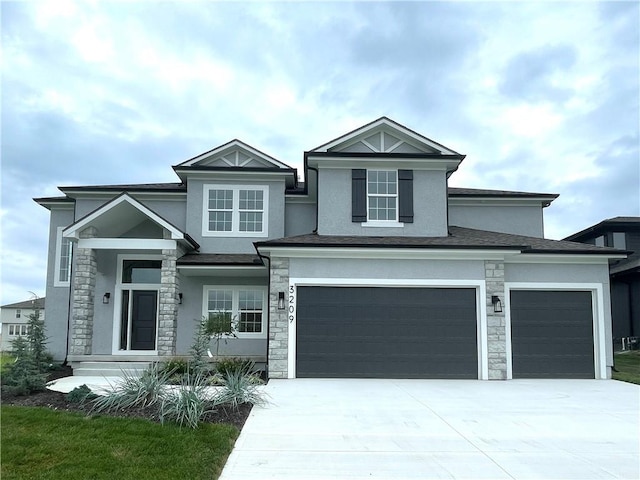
[(552, 334), (386, 332)]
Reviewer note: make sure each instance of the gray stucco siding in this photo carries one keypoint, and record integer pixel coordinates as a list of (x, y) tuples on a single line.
[(429, 206), (300, 218), (518, 220), (57, 303), (386, 269), (239, 244), (173, 211), (191, 311), (103, 322)]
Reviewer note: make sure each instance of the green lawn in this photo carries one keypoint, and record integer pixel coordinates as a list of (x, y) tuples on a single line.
[(46, 444), (628, 366)]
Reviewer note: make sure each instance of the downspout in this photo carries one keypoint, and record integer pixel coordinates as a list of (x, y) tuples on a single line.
[(66, 352), (306, 185)]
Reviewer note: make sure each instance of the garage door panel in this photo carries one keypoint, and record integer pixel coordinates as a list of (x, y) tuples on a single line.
[(386, 332), (552, 334)]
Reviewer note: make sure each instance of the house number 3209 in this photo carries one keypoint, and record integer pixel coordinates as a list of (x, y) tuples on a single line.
[(292, 303)]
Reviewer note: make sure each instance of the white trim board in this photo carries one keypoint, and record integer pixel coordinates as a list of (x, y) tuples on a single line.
[(481, 312), (117, 306), (597, 303)]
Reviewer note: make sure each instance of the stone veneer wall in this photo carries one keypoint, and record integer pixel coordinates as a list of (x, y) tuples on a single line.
[(168, 304), (278, 319), (84, 286), (496, 325)]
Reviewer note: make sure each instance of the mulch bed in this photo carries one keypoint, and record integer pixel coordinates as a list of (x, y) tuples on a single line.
[(58, 401)]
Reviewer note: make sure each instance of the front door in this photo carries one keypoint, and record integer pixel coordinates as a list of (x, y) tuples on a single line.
[(136, 321), (144, 304)]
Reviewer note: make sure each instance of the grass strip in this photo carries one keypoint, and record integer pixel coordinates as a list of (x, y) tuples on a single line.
[(39, 443), (627, 365)]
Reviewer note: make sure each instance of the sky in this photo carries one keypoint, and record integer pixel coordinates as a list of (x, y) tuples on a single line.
[(541, 97)]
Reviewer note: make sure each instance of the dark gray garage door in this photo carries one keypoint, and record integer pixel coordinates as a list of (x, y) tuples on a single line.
[(386, 332), (552, 334)]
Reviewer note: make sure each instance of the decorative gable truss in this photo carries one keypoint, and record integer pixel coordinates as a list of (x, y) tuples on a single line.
[(235, 154), (124, 222), (385, 136)]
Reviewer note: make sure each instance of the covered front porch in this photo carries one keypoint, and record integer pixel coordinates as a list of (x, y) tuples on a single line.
[(125, 288)]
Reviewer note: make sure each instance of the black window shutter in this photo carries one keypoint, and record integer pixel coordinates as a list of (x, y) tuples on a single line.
[(405, 196), (358, 195)]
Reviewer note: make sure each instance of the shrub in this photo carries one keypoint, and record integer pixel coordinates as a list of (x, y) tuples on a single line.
[(80, 394), (189, 403), (242, 386), (177, 366), (25, 375), (134, 391), (229, 365)]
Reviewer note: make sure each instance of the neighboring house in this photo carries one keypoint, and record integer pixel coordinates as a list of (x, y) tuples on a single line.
[(14, 318), (373, 267), (622, 233)]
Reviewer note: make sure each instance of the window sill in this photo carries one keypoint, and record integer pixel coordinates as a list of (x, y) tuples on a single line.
[(382, 223), (235, 234)]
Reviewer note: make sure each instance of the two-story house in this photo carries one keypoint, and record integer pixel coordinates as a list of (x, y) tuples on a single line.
[(373, 267), (14, 320), (622, 233)]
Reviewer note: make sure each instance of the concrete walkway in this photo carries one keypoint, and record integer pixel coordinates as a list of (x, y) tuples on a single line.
[(431, 429)]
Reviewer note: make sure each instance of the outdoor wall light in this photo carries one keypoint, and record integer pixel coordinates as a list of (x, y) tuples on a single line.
[(180, 299), (497, 304), (106, 297), (280, 300)]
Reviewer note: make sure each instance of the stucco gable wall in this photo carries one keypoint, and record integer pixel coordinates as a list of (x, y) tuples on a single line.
[(429, 206), (172, 210), (216, 244)]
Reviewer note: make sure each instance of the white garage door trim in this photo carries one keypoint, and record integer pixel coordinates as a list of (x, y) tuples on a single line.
[(597, 305), (481, 309)]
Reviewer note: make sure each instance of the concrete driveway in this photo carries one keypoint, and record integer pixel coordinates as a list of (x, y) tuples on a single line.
[(406, 429)]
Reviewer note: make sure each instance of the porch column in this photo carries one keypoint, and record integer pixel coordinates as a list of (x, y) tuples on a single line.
[(278, 319), (496, 326), (168, 304), (84, 286)]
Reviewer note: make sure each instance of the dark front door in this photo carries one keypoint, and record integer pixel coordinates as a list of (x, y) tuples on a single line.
[(386, 332), (552, 334), (144, 308)]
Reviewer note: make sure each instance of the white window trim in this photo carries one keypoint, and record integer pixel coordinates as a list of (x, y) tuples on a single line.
[(20, 327), (56, 274), (481, 309), (384, 223), (234, 305), (117, 304), (235, 216)]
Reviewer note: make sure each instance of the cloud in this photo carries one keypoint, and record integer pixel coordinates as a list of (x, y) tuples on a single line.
[(539, 75), (104, 92)]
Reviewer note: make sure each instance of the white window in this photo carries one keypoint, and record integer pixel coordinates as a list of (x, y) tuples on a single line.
[(382, 195), (235, 210), (64, 255), (18, 313), (18, 329), (245, 305)]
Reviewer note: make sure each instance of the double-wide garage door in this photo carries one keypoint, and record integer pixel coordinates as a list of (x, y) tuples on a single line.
[(386, 332), (552, 334)]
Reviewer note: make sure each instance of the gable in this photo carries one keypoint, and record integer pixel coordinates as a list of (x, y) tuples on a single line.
[(384, 136), (235, 154), (123, 217)]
